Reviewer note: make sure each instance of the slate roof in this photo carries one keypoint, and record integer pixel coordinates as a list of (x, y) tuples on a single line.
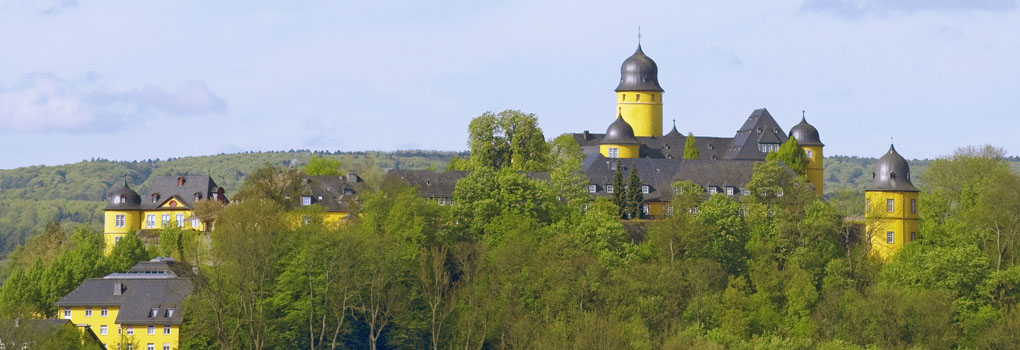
[(436, 184), (333, 193), (660, 174), (139, 295), (639, 73), (892, 173), (806, 134), (166, 187), (620, 133), (124, 198), (760, 127)]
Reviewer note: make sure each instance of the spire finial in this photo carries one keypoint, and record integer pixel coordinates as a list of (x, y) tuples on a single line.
[(619, 111), (674, 123), (639, 35)]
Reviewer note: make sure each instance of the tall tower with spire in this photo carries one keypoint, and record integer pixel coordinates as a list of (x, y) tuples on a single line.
[(807, 137), (639, 96), (891, 216)]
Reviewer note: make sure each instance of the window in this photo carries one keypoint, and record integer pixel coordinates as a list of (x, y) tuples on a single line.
[(180, 220), (644, 189), (119, 221), (102, 330), (913, 236), (67, 313), (624, 97), (152, 330), (644, 209), (116, 240), (306, 200), (867, 205), (195, 223), (609, 188), (166, 219), (592, 188), (729, 190), (131, 347), (150, 346), (104, 312), (88, 312), (712, 190), (638, 98), (780, 193), (747, 192), (166, 346), (768, 147), (669, 210), (130, 331), (808, 155), (653, 97), (890, 205), (614, 152), (166, 329), (890, 237), (153, 312), (119, 330), (913, 208), (150, 220)]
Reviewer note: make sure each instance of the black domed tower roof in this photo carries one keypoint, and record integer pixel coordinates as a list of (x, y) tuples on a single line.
[(805, 134), (892, 173), (639, 73), (620, 133), (124, 198)]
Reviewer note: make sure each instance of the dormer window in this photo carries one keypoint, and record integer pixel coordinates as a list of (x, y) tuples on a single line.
[(644, 189), (153, 312), (609, 188), (892, 175), (592, 188), (614, 152), (198, 197), (155, 197), (306, 200)]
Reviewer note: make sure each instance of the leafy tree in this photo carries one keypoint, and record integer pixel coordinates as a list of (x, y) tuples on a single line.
[(691, 148), (323, 166), (128, 252), (601, 232), (510, 139), (792, 155), (281, 186)]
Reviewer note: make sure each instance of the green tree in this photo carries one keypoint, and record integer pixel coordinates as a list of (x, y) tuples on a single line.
[(620, 190), (127, 252), (792, 155), (634, 196), (323, 166), (509, 139), (691, 148), (282, 186)]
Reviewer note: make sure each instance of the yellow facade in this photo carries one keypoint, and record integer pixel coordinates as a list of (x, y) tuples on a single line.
[(815, 172), (642, 110), (115, 228), (117, 334), (135, 220), (900, 225), (624, 151), (329, 218)]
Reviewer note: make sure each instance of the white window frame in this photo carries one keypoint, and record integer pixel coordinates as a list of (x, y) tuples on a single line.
[(166, 346), (306, 200), (130, 330), (180, 220), (151, 330), (712, 190), (609, 188), (119, 220), (644, 189), (644, 208), (592, 188), (614, 152), (165, 219), (104, 312), (88, 312), (890, 237), (103, 330), (729, 190), (195, 222), (809, 153), (150, 346), (890, 205), (150, 220), (67, 313), (913, 207), (166, 329)]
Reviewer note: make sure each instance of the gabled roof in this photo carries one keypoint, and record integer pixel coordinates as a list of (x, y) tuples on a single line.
[(759, 127), (137, 297), (333, 193), (183, 187)]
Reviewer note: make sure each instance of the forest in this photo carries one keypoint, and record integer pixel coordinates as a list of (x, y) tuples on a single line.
[(523, 263)]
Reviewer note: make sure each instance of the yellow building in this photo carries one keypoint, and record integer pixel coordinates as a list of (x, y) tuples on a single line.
[(891, 200), (327, 198), (807, 137), (138, 310), (619, 141), (639, 96), (170, 201)]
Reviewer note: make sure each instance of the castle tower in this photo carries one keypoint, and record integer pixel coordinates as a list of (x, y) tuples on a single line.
[(123, 214), (891, 216), (619, 141), (639, 96), (807, 137)]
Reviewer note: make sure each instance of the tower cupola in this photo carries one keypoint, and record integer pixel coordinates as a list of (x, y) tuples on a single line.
[(620, 133), (639, 73), (892, 173), (124, 198), (806, 134)]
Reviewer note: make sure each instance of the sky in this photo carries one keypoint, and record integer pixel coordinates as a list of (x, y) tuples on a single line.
[(132, 80)]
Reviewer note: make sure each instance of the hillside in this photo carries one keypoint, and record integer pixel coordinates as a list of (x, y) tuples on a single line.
[(31, 197)]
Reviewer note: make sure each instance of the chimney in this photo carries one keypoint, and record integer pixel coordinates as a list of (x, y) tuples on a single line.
[(587, 135), (180, 181), (352, 177), (118, 288)]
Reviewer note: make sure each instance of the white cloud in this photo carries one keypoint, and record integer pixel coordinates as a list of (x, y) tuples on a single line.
[(46, 102), (862, 8)]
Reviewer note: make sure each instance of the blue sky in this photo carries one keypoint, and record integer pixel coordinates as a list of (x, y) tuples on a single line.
[(145, 79)]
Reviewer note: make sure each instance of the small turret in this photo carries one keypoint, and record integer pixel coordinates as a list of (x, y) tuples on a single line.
[(639, 95), (619, 141), (807, 137), (891, 217)]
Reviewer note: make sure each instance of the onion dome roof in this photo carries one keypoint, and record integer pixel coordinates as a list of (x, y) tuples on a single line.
[(805, 134), (124, 198), (620, 133), (639, 73), (674, 133), (892, 173)]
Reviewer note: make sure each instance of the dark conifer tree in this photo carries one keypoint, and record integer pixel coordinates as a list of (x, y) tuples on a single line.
[(619, 190), (634, 195)]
